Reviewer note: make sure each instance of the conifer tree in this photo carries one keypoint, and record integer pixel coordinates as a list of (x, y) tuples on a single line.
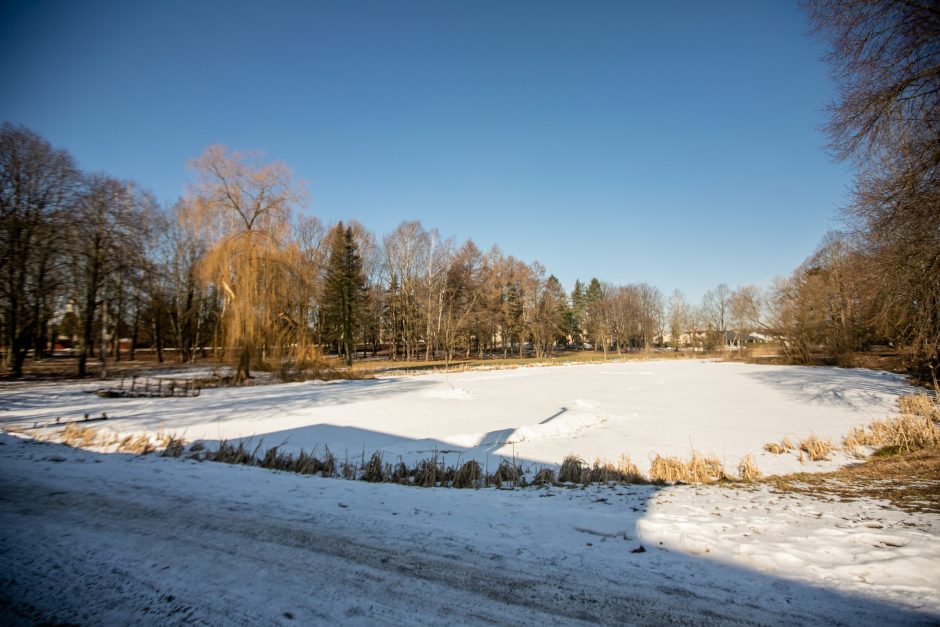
[(344, 291)]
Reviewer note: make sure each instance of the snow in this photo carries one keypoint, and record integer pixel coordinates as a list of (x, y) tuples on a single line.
[(102, 537), (537, 415)]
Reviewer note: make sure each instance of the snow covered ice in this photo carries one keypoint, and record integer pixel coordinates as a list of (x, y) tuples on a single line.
[(100, 537)]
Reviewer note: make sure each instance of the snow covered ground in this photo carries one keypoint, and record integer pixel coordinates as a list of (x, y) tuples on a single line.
[(99, 537), (540, 415), (120, 539)]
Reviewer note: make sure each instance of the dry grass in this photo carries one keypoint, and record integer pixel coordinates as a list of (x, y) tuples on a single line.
[(374, 471), (624, 472), (545, 476), (705, 469), (747, 469), (909, 480), (628, 472), (507, 473), (172, 446), (140, 444), (922, 405), (75, 435), (816, 448), (779, 448), (915, 428), (426, 473), (470, 475), (229, 453), (571, 469), (668, 470), (698, 469)]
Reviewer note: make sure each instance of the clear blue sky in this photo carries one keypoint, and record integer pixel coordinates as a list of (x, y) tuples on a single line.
[(674, 143)]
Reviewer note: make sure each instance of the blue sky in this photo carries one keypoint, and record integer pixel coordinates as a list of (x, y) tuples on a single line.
[(674, 143)]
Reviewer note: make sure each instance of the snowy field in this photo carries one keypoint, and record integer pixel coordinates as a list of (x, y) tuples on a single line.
[(106, 538), (540, 415)]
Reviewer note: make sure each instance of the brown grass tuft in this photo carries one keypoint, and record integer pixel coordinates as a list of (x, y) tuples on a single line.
[(668, 470), (307, 464), (374, 471), (570, 471), (816, 448), (705, 469), (747, 469), (328, 467), (544, 476), (912, 430), (173, 446), (922, 405), (628, 471), (400, 473), (427, 473), (138, 445), (76, 436), (698, 469), (469, 475), (507, 473), (779, 448)]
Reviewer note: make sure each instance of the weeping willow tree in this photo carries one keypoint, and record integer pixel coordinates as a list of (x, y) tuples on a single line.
[(245, 208)]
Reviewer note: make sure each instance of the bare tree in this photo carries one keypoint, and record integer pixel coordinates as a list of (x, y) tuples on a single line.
[(37, 184), (716, 313), (680, 321), (886, 61), (109, 227), (406, 250)]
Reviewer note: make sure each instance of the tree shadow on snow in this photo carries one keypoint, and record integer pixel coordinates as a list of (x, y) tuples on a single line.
[(852, 388)]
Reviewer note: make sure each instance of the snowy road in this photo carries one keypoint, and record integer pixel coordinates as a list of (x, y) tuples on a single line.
[(115, 539)]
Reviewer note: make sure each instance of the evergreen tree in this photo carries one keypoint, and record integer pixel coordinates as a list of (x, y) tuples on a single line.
[(344, 291), (575, 313), (592, 322)]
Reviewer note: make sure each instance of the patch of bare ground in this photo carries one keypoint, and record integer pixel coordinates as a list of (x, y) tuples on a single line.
[(909, 481)]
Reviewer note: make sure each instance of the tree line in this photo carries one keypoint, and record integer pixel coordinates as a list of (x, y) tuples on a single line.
[(233, 269)]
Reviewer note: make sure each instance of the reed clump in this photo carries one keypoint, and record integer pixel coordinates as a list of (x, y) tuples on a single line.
[(747, 470), (571, 469), (816, 448), (699, 469)]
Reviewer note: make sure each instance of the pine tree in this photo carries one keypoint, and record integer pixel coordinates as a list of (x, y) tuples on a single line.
[(344, 291), (576, 313)]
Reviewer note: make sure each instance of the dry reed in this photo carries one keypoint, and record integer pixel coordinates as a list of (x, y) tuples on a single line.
[(570, 471), (816, 448), (747, 469)]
